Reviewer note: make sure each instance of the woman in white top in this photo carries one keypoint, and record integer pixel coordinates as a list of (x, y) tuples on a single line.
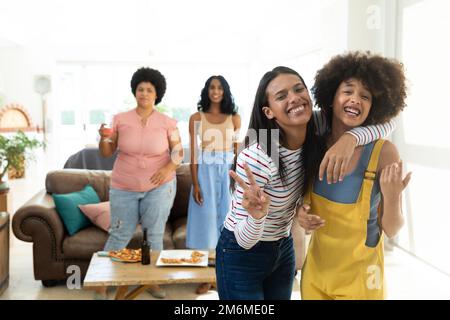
[(215, 125)]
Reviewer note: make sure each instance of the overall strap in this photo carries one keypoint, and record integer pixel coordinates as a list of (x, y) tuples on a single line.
[(370, 176), (373, 162)]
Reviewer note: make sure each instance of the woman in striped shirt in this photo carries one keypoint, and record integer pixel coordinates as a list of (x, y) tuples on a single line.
[(255, 256)]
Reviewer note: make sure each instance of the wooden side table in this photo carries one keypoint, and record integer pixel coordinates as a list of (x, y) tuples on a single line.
[(5, 200), (4, 251)]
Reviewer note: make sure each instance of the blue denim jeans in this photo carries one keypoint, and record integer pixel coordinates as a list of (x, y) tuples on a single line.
[(151, 209), (264, 272)]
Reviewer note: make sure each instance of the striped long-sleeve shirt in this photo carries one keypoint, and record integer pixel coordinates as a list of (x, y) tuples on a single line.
[(278, 222)]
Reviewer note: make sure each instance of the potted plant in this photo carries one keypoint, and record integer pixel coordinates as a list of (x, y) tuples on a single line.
[(13, 153)]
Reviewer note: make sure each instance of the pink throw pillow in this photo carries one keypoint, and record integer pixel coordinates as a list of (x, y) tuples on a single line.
[(98, 213)]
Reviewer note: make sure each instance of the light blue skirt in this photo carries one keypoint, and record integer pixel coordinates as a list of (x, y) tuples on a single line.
[(205, 221)]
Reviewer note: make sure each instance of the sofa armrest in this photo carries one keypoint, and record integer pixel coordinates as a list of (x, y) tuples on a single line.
[(37, 221)]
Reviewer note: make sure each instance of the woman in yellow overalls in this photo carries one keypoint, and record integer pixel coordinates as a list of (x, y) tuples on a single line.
[(345, 258)]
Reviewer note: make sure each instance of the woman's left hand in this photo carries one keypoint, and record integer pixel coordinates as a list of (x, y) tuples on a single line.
[(391, 180), (337, 158), (160, 175)]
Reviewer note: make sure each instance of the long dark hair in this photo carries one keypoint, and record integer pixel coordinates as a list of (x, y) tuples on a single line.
[(227, 105), (259, 121)]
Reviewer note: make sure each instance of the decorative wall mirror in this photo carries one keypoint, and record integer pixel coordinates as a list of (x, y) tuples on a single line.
[(14, 117)]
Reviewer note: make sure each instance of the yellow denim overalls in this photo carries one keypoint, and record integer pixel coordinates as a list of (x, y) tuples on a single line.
[(339, 265)]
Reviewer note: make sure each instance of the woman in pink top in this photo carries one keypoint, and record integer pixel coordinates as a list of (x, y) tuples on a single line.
[(143, 183)]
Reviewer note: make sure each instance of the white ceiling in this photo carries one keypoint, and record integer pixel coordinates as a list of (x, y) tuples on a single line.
[(164, 30)]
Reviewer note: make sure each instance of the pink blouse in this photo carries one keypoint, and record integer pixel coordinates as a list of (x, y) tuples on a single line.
[(143, 150)]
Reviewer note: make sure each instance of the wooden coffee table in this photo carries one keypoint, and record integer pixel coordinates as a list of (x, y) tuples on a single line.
[(103, 272)]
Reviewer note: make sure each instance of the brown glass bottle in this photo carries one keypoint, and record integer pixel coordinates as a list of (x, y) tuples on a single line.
[(145, 248)]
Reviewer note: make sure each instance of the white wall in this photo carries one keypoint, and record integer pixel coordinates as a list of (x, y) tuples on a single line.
[(367, 25), (18, 67)]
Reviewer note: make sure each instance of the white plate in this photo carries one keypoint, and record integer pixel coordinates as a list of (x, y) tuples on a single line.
[(178, 254)]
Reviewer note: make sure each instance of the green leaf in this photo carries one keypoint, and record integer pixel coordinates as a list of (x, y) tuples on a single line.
[(15, 150)]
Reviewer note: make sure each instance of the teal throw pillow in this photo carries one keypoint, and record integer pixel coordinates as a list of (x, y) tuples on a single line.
[(67, 207)]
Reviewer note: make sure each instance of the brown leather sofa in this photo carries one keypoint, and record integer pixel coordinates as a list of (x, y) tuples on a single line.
[(54, 250)]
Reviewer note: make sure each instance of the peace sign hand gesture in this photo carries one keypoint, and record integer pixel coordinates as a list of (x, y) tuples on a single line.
[(255, 201)]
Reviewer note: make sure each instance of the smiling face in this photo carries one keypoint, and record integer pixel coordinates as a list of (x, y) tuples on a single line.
[(288, 101), (145, 95), (352, 103), (215, 91)]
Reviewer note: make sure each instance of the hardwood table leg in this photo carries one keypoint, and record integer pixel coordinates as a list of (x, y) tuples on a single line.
[(121, 293), (135, 292)]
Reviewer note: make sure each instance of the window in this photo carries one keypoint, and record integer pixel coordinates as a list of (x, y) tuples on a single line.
[(422, 136)]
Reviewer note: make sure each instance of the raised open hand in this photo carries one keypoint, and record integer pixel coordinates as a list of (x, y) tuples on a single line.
[(254, 200), (391, 180)]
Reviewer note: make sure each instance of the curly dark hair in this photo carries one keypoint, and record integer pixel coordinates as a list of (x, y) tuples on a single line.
[(154, 77), (227, 105), (383, 77)]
